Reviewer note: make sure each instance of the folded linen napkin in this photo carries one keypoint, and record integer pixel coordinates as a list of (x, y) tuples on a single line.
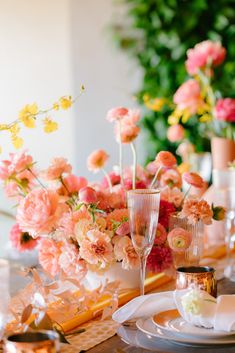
[(145, 306)]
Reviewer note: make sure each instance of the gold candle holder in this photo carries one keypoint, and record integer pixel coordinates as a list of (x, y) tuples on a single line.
[(201, 277), (32, 342)]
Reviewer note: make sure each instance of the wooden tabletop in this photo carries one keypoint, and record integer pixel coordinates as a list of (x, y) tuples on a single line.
[(116, 345)]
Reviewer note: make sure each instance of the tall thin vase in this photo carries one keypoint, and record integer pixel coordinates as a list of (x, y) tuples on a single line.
[(143, 205)]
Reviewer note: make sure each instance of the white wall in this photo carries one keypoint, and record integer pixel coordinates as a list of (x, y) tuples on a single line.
[(48, 48)]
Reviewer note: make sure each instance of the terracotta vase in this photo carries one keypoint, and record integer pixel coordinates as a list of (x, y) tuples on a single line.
[(223, 151)]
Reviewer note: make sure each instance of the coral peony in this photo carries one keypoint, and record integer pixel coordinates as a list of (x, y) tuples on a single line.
[(161, 235), (196, 210), (179, 239), (165, 210), (159, 259), (193, 179), (87, 195), (188, 97), (49, 254), (38, 212), (125, 252), (204, 53), (225, 109), (58, 167), (21, 240), (116, 114), (74, 183), (165, 159), (97, 160), (175, 133)]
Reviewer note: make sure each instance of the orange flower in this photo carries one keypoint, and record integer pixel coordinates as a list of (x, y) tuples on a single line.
[(193, 179), (165, 159), (196, 210), (97, 160)]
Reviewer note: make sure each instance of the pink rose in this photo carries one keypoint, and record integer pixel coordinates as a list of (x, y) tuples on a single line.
[(87, 195), (188, 96), (116, 114), (179, 239), (175, 133), (48, 255), (204, 53), (225, 109), (21, 240), (97, 160), (165, 159), (38, 212), (193, 179), (58, 167), (74, 183)]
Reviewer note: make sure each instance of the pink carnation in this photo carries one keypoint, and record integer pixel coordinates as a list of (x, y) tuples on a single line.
[(125, 252), (58, 167), (225, 109), (49, 254), (161, 235), (38, 212), (71, 263), (116, 114), (159, 259), (175, 133), (97, 160), (197, 210), (206, 52), (74, 183), (179, 239), (21, 240), (193, 179), (165, 159), (188, 96)]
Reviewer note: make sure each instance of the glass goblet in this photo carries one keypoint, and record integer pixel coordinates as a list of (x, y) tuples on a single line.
[(4, 296), (143, 206)]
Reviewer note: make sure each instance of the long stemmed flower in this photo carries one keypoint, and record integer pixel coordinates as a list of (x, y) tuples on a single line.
[(96, 161), (164, 159)]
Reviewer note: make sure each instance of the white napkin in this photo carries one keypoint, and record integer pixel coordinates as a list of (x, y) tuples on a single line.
[(224, 319), (145, 306)]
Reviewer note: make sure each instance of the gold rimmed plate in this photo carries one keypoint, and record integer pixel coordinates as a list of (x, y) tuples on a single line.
[(171, 321)]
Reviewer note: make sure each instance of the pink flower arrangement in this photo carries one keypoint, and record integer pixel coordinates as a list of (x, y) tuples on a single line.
[(225, 110)]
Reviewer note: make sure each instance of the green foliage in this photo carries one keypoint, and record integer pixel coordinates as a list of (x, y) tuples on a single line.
[(157, 34)]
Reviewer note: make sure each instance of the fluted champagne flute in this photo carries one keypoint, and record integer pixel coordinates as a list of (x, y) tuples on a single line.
[(143, 206)]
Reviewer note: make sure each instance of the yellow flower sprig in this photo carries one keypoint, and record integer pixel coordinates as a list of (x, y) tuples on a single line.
[(30, 113)]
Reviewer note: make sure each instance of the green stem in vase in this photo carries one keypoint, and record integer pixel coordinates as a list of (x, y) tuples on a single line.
[(134, 166)]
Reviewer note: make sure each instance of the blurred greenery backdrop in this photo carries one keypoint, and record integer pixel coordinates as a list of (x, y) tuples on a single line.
[(156, 34)]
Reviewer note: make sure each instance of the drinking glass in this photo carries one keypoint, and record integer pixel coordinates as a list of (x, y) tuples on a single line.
[(4, 294), (230, 234), (143, 206)]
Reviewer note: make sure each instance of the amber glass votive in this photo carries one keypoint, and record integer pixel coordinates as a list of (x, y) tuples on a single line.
[(201, 277), (32, 342)]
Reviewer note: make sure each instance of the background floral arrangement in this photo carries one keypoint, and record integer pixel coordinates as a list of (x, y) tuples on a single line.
[(80, 226)]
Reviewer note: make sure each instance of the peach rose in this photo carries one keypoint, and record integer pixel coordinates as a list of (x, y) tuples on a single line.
[(38, 212), (175, 133), (179, 239), (116, 114), (206, 52), (58, 167), (97, 160), (165, 159), (225, 110), (188, 96), (193, 179)]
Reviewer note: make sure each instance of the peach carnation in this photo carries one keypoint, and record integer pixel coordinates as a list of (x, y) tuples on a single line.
[(197, 210), (116, 114), (125, 252), (58, 167), (206, 52), (49, 253), (175, 133), (193, 179), (38, 212), (188, 96), (179, 239), (165, 159), (97, 160)]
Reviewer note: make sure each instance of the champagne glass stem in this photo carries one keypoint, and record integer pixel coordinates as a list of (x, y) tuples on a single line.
[(143, 260)]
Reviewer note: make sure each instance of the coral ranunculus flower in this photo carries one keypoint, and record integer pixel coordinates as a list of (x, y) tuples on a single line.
[(179, 239), (193, 179), (165, 159), (225, 109), (204, 53), (188, 97), (116, 114), (97, 160), (175, 133)]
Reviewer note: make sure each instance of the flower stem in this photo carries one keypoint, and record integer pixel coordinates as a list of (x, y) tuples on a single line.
[(38, 180), (186, 193), (120, 154), (155, 177), (108, 180), (134, 166)]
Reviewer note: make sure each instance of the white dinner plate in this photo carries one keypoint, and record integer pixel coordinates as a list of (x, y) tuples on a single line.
[(171, 321), (148, 327)]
